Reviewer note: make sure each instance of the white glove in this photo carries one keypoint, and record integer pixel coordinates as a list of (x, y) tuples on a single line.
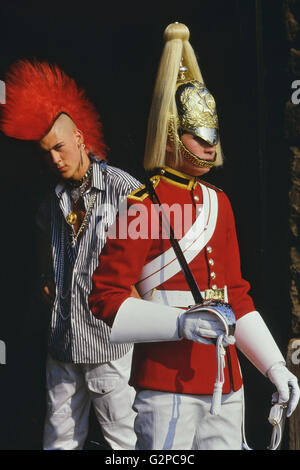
[(286, 384), (202, 327)]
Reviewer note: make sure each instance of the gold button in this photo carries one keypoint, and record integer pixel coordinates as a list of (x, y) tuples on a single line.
[(211, 262), (162, 172), (196, 198), (213, 275), (214, 287), (209, 249)]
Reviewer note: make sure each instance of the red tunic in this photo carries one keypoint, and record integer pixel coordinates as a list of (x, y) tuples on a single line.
[(180, 366)]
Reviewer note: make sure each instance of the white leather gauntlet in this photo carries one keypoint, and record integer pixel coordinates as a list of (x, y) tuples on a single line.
[(254, 339), (202, 327), (287, 386), (141, 321)]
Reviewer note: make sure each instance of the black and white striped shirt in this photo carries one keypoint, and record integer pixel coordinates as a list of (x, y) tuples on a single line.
[(75, 334)]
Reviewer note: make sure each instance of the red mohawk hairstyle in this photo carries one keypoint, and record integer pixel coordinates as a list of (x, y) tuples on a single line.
[(36, 94)]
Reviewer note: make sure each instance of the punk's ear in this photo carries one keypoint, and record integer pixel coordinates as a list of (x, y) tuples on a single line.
[(79, 137)]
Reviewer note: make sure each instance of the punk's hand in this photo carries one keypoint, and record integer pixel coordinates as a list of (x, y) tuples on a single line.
[(48, 292)]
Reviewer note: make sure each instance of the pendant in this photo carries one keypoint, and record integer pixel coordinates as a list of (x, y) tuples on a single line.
[(72, 217), (73, 242), (75, 194)]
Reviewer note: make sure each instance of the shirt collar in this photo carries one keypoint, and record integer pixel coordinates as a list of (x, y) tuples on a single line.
[(98, 177)]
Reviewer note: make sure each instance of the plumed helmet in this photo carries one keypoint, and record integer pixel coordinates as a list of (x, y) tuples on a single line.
[(180, 103)]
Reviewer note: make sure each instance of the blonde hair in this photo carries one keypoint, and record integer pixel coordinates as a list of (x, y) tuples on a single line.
[(177, 48)]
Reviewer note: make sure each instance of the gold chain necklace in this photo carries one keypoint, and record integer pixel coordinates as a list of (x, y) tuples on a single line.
[(85, 219), (77, 189)]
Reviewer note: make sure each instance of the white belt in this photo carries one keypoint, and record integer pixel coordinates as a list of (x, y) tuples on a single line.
[(183, 298)]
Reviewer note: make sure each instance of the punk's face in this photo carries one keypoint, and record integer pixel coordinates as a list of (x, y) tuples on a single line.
[(61, 147)]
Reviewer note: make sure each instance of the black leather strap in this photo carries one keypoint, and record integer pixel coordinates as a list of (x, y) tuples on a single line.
[(196, 293)]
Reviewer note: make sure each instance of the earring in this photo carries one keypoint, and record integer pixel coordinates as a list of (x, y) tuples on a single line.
[(81, 156)]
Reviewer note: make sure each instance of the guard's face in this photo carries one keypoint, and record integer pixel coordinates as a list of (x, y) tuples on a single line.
[(61, 147), (198, 147)]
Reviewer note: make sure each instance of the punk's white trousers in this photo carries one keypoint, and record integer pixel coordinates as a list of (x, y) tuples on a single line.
[(72, 388), (173, 421)]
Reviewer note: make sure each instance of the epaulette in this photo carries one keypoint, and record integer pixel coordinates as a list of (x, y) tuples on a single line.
[(211, 186), (141, 193)]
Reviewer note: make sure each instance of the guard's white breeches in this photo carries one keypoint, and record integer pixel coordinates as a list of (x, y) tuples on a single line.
[(172, 421), (71, 388)]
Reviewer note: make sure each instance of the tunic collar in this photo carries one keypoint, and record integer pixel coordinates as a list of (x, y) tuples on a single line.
[(176, 177)]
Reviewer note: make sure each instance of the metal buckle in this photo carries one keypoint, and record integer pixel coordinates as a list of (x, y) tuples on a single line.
[(214, 294)]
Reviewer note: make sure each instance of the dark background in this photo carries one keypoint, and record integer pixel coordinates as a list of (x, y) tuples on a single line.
[(112, 49)]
